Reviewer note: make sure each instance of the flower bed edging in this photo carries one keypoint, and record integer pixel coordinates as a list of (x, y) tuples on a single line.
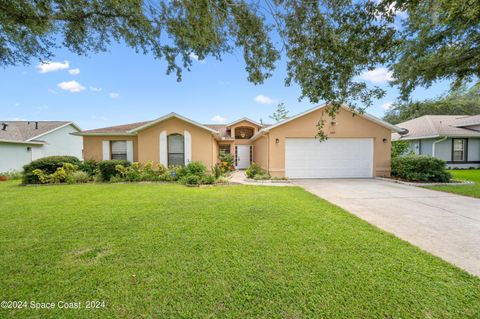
[(266, 181), (454, 183)]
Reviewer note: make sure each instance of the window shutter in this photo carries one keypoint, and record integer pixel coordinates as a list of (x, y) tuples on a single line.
[(106, 150), (188, 146), (130, 151), (163, 148)]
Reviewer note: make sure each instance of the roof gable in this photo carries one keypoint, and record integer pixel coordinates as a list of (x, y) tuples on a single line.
[(169, 116), (367, 116), (246, 119)]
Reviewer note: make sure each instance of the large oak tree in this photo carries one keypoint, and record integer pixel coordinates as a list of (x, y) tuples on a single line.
[(327, 43)]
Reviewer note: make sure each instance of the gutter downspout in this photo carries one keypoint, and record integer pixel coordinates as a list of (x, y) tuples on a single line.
[(435, 142)]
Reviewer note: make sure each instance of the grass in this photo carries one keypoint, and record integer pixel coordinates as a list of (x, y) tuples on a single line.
[(168, 251), (472, 175)]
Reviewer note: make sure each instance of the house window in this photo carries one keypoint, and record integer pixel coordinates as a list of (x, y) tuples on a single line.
[(224, 148), (119, 150), (459, 150), (243, 133), (176, 150)]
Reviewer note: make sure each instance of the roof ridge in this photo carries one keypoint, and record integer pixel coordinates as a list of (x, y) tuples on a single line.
[(430, 123)]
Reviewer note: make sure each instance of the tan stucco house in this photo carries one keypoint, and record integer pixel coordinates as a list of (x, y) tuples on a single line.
[(358, 144)]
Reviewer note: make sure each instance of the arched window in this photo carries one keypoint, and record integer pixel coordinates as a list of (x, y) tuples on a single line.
[(176, 149), (243, 133)]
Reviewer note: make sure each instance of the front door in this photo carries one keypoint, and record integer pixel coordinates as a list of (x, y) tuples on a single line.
[(242, 156)]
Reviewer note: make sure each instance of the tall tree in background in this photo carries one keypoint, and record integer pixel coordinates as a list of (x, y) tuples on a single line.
[(460, 102), (280, 113), (327, 43)]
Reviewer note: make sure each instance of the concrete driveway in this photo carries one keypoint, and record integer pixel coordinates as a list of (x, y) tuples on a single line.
[(443, 224)]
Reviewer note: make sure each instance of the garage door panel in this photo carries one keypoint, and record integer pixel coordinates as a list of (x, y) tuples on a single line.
[(333, 158)]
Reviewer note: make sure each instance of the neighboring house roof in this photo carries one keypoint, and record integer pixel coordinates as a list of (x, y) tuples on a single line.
[(468, 121), (432, 126), (27, 132), (372, 118)]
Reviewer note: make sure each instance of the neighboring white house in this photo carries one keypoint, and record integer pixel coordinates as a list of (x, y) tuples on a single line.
[(24, 141), (452, 138)]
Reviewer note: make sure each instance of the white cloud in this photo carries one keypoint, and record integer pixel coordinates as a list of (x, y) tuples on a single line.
[(95, 89), (114, 95), (48, 66), (193, 56), (218, 119), (378, 75), (74, 71), (72, 86), (262, 99), (386, 106)]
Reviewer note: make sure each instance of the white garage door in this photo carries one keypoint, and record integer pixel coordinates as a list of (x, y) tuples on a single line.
[(333, 158)]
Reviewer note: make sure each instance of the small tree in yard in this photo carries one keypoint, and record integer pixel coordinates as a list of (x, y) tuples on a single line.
[(400, 148), (280, 113)]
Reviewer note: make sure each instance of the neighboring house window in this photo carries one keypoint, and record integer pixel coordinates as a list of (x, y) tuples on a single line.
[(119, 150), (224, 148), (176, 150), (459, 150), (243, 133)]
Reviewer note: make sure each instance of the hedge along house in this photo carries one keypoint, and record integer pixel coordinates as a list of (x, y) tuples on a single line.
[(358, 144)]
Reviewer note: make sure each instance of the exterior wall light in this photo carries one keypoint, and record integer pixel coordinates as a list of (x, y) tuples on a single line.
[(384, 140), (277, 141)]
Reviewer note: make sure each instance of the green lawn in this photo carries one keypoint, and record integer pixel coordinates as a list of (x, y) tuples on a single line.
[(464, 175), (168, 251)]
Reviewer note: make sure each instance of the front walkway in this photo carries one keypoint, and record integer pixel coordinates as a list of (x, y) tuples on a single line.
[(443, 224)]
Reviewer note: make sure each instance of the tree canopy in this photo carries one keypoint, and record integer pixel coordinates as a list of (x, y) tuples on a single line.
[(327, 43), (460, 102)]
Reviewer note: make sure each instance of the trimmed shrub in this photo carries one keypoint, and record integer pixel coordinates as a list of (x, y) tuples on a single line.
[(209, 179), (48, 165), (79, 177), (89, 167), (261, 176), (107, 168), (253, 170), (62, 174), (415, 168), (191, 180), (195, 168)]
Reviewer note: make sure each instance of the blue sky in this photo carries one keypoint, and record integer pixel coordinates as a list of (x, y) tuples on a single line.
[(121, 86)]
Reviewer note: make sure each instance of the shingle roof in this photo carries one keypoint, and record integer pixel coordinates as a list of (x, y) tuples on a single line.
[(221, 129), (127, 128), (431, 126), (468, 121), (22, 131), (118, 129)]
